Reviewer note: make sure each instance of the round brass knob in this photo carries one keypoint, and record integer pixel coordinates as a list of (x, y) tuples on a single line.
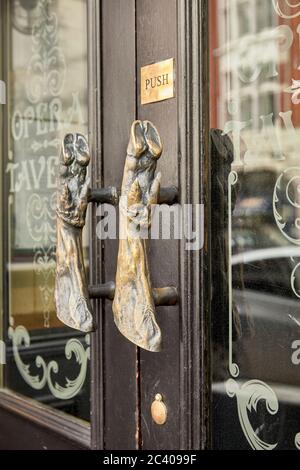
[(159, 410)]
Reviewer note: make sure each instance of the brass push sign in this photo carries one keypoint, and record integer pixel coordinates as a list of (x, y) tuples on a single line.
[(157, 81)]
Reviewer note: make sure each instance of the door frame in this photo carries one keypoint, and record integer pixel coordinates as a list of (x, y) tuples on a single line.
[(195, 288), (193, 125)]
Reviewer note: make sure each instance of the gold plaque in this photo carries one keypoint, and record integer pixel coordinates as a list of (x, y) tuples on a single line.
[(157, 82)]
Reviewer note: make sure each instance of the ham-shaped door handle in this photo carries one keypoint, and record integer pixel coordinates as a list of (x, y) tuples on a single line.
[(133, 297), (134, 305), (71, 289)]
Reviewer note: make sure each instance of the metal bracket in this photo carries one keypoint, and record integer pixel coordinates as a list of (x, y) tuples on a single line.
[(163, 296), (104, 196), (110, 195)]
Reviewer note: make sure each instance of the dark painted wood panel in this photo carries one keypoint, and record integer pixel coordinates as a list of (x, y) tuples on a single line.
[(19, 433), (119, 107), (160, 372), (195, 268), (95, 250)]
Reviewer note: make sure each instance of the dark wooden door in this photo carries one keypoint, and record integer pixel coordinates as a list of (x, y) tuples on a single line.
[(136, 34), (122, 37), (150, 29)]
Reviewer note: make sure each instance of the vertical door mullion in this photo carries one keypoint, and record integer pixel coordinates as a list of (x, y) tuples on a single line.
[(118, 112), (95, 253), (193, 115)]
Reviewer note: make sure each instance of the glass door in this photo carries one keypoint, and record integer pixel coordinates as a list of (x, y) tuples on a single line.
[(45, 70), (255, 142)]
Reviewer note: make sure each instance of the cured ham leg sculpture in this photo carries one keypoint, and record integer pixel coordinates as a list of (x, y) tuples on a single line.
[(71, 290), (133, 306)]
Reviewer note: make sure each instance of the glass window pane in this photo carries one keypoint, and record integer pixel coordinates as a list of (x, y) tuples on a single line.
[(47, 98), (267, 103), (265, 15), (243, 14), (246, 108), (256, 230)]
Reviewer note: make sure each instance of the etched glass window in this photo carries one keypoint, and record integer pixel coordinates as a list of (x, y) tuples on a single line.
[(244, 16), (255, 155), (46, 98)]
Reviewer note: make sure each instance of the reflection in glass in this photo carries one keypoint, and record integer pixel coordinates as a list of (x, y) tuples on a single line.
[(267, 104), (246, 108), (244, 18), (265, 15), (255, 142), (47, 87)]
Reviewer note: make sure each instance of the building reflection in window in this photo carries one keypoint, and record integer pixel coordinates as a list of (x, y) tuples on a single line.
[(255, 142)]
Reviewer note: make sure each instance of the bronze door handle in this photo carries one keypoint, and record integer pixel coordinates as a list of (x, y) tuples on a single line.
[(163, 296), (71, 290), (133, 298), (133, 305)]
